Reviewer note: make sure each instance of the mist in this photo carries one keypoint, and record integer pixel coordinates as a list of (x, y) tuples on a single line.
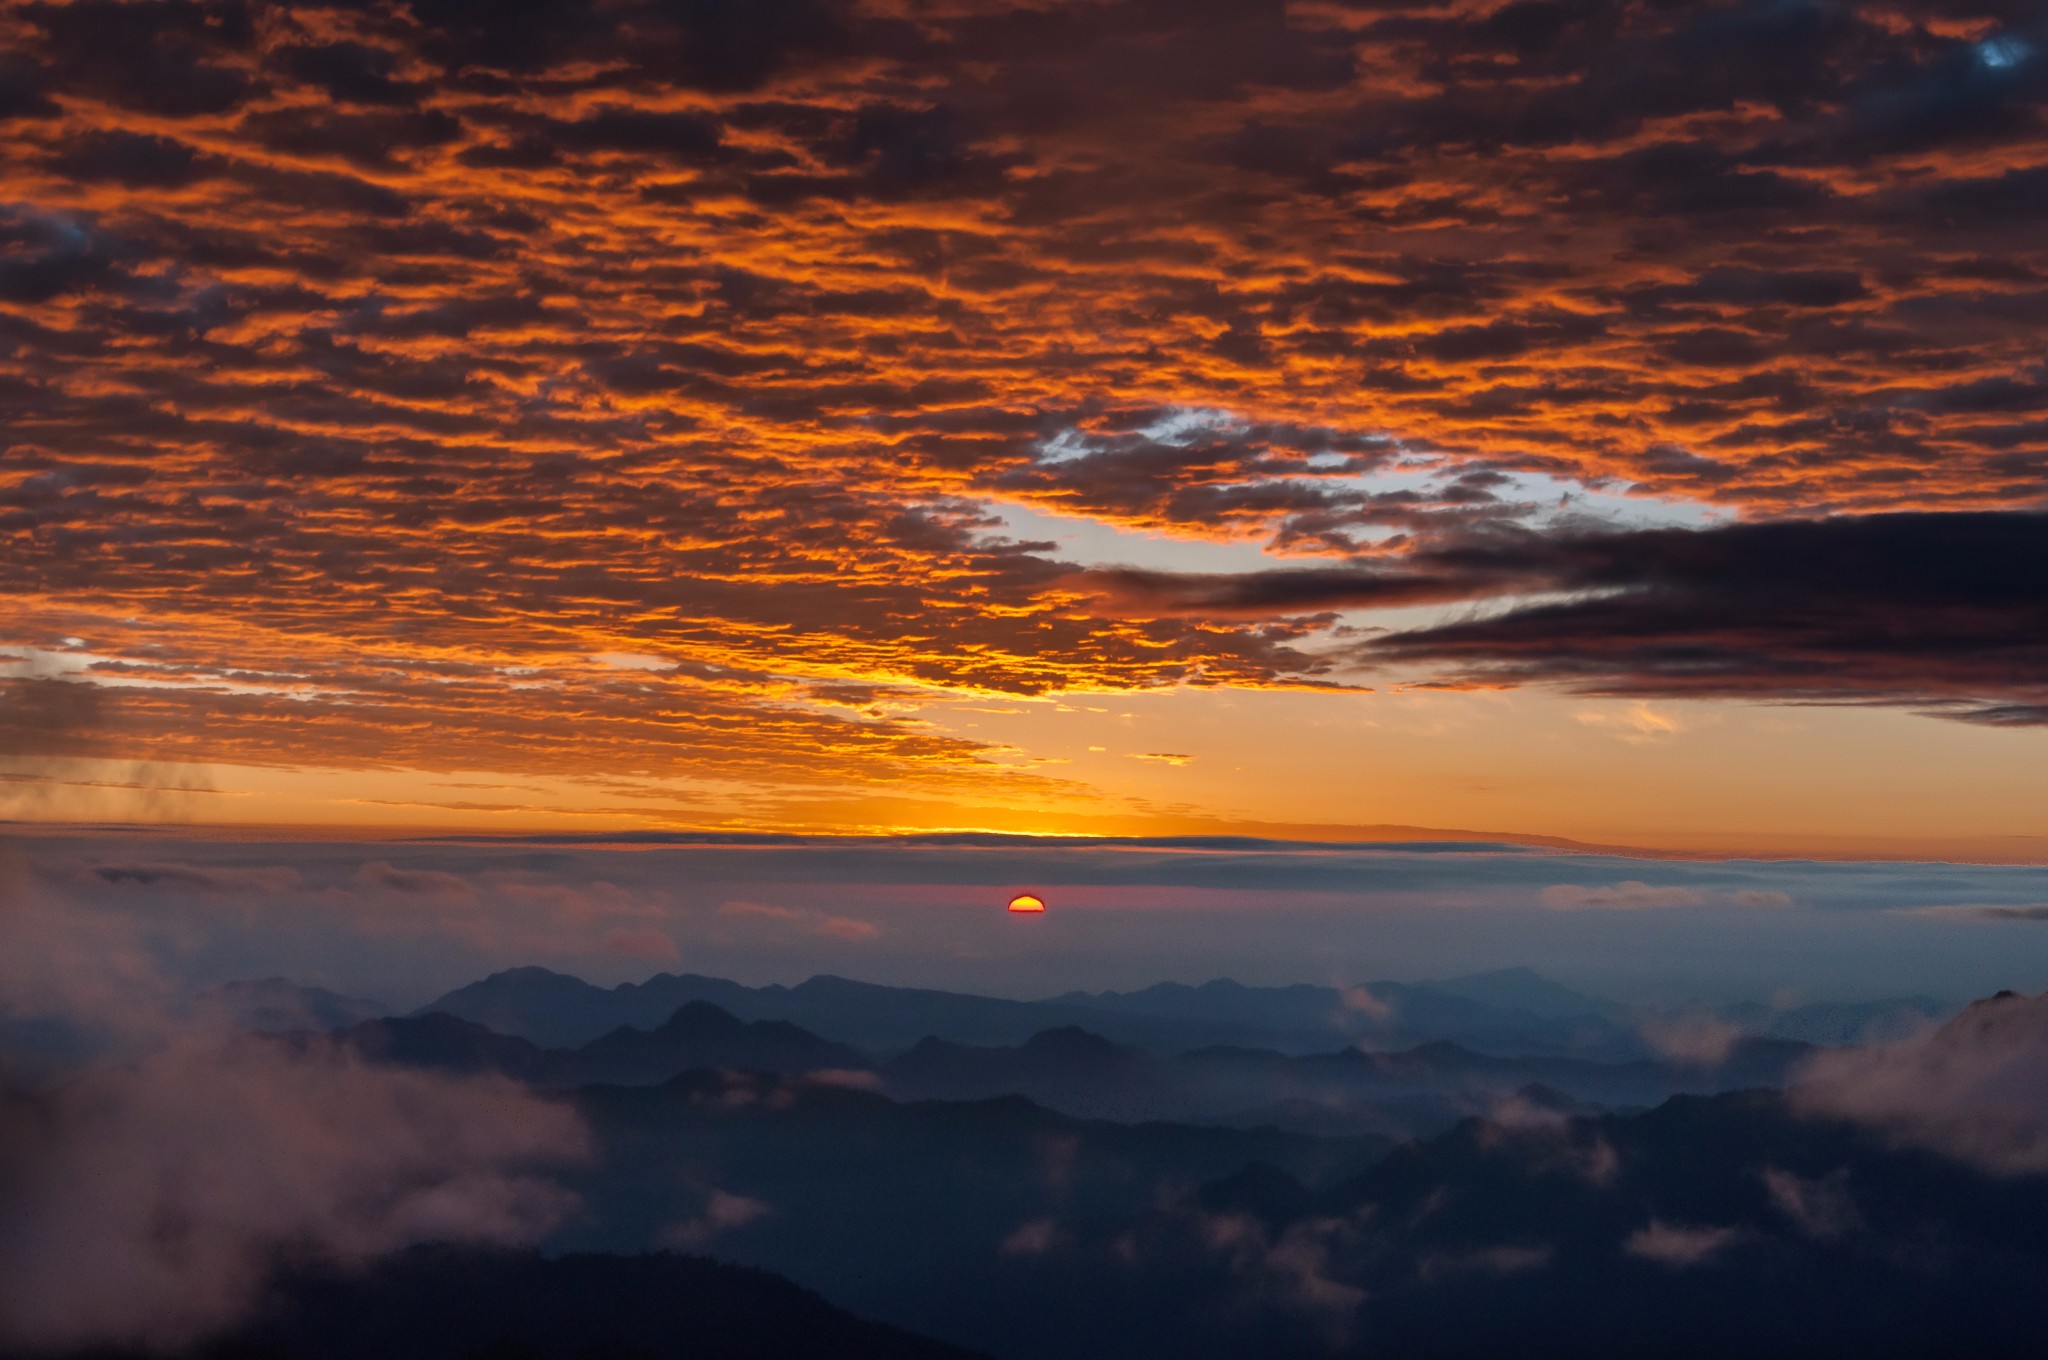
[(156, 1181)]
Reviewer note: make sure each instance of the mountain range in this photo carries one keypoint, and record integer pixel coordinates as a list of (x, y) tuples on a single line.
[(1406, 1093), (697, 1035), (1348, 1091), (1072, 1195), (1744, 1223), (1511, 1011)]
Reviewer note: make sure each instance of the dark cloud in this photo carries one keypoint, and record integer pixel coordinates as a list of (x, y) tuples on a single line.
[(176, 876), (1944, 612), (366, 139), (349, 72), (170, 57), (132, 159)]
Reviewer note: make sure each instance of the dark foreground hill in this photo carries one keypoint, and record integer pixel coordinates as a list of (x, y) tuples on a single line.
[(433, 1304), (893, 1209), (1712, 1227)]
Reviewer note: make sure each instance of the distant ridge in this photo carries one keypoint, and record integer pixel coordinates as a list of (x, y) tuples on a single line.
[(1506, 1011), (560, 1011), (698, 1035)]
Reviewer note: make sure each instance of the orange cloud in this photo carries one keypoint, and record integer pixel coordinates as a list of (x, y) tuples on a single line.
[(382, 397)]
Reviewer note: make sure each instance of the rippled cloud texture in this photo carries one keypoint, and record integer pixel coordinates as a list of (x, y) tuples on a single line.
[(579, 388)]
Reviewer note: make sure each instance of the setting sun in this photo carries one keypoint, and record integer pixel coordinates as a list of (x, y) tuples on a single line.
[(1025, 902)]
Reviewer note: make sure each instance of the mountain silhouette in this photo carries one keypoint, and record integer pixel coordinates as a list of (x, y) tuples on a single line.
[(1413, 1092), (1509, 1012), (913, 1212), (556, 1010), (442, 1304), (697, 1035), (700, 1034)]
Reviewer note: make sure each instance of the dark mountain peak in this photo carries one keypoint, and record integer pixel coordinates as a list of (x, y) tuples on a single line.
[(531, 973), (1156, 991), (442, 1041), (702, 1017), (550, 1008), (1442, 1052), (700, 1034), (1518, 989), (833, 984), (1071, 1042), (527, 985), (433, 1023), (669, 982), (2001, 1014)]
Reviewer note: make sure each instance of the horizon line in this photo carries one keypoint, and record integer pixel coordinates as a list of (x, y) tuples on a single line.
[(1336, 839)]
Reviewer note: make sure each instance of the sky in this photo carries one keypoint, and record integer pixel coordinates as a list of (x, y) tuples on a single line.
[(1616, 422)]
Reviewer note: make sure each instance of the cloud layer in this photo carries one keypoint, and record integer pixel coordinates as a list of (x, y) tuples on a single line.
[(1975, 1089), (382, 370)]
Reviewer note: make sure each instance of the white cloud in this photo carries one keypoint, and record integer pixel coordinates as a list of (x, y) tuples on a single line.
[(152, 1194), (1628, 895), (1975, 1089), (1638, 724), (722, 1213), (805, 919), (1699, 1040), (1821, 1208), (1035, 1238), (1677, 1245)]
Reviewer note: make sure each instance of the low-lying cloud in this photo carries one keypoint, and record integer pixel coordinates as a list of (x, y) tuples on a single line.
[(201, 878), (154, 1191), (1636, 895), (1628, 895), (1679, 1246), (807, 920), (157, 1196), (1975, 1089)]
